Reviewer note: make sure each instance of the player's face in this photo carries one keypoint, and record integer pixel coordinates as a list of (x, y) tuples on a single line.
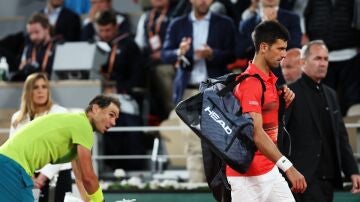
[(40, 92), (105, 118), (275, 53)]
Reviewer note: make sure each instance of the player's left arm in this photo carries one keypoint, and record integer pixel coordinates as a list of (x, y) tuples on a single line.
[(88, 176)]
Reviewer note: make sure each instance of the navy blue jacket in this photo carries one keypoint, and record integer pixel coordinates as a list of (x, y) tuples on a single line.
[(221, 38), (68, 25), (289, 19)]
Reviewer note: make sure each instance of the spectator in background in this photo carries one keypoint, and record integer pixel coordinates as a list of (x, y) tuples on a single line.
[(150, 38), (251, 11), (89, 32), (66, 23), (291, 65), (36, 101), (183, 7), (320, 146), (124, 62), (200, 45), (235, 8), (205, 53), (78, 6), (38, 54), (269, 10), (298, 7), (11, 47), (331, 21)]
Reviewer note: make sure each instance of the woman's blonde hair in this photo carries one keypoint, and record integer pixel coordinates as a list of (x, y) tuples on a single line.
[(27, 105)]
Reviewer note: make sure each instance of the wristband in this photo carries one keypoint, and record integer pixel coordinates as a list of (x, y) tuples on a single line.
[(283, 163), (96, 196)]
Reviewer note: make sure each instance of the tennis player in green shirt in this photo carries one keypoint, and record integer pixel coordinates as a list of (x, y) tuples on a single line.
[(56, 138)]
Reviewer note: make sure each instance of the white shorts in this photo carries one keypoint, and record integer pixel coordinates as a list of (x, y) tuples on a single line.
[(269, 187)]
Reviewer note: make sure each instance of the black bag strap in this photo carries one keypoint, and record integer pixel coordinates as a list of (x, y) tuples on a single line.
[(282, 121), (221, 174), (230, 87)]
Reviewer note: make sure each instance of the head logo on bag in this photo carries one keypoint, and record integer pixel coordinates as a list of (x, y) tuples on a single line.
[(217, 119)]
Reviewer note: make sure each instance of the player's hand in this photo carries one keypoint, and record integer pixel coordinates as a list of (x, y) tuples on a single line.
[(355, 179), (289, 96), (40, 181), (297, 180)]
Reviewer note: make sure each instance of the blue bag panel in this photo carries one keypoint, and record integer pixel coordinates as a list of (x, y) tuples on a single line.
[(231, 135)]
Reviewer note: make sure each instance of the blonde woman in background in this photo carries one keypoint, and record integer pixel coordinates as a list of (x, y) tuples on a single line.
[(36, 101)]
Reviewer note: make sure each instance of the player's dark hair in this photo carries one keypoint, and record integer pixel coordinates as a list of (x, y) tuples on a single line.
[(103, 101), (268, 32)]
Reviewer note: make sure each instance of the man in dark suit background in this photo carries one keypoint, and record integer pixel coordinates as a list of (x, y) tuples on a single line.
[(66, 23), (150, 36), (268, 10), (200, 45), (217, 51), (38, 53), (332, 21), (320, 147), (88, 32)]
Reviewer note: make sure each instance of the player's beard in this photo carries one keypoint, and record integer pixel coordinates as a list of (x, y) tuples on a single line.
[(93, 125)]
